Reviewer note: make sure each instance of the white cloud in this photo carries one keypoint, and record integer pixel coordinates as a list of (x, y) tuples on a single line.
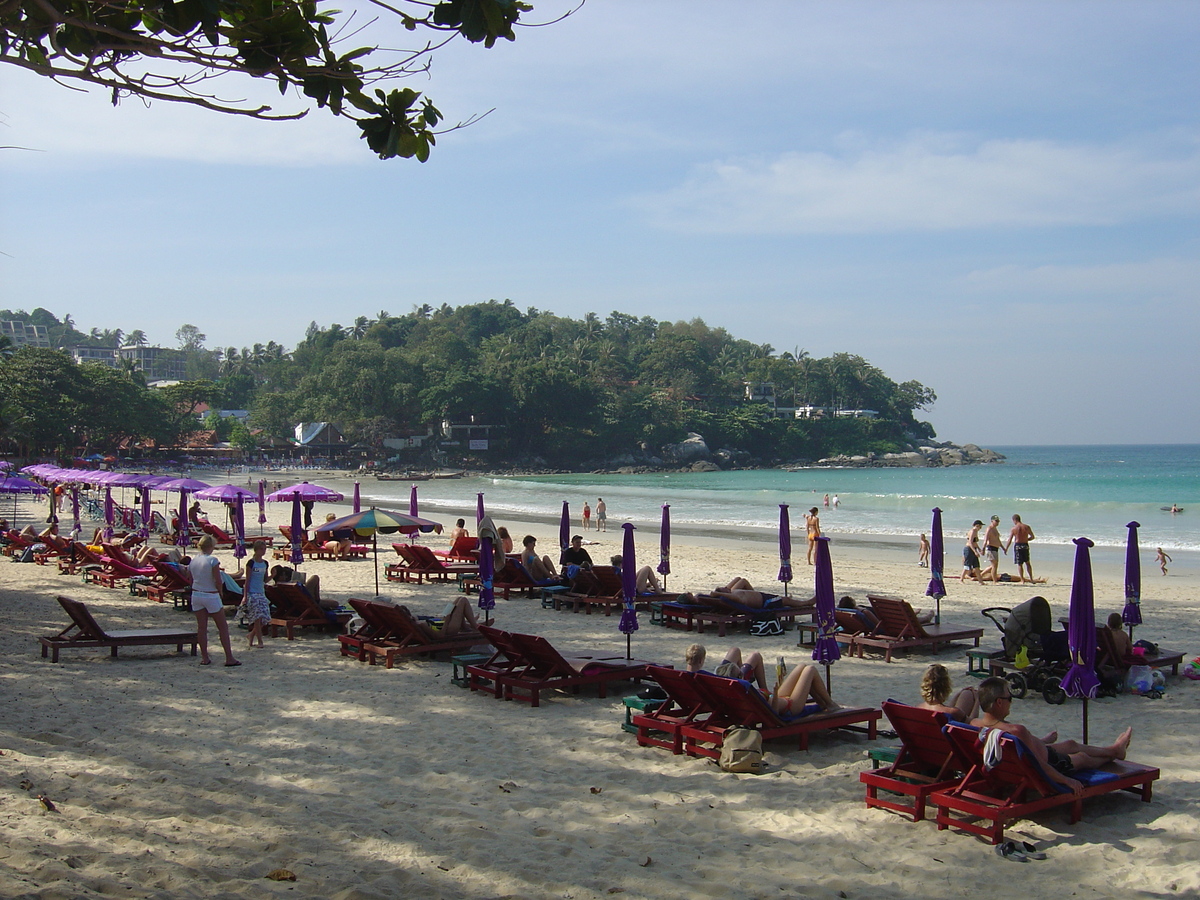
[(931, 183)]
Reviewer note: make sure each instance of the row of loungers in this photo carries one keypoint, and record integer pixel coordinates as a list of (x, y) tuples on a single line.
[(941, 762)]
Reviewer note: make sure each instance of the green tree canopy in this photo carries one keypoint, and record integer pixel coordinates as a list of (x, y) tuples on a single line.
[(167, 50)]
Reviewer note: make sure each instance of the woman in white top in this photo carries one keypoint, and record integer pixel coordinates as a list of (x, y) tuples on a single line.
[(206, 599)]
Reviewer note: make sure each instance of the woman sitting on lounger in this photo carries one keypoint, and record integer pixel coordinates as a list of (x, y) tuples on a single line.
[(458, 613), (540, 568), (935, 695), (790, 695), (646, 581)]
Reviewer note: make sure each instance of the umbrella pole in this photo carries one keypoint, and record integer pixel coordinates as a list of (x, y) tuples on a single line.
[(1085, 720), (937, 616), (629, 646), (828, 686), (375, 553)]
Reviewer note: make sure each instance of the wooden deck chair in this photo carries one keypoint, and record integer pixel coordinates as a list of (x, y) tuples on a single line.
[(464, 549), (508, 659), (55, 547), (406, 638), (293, 607), (170, 579), (739, 703), (547, 669), (222, 537), (686, 704), (85, 631), (926, 761), (899, 629), (511, 579), (1017, 787), (374, 629), (1109, 658)]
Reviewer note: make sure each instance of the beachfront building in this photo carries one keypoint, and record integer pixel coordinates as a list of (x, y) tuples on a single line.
[(22, 334), (472, 435), (105, 356), (157, 363)]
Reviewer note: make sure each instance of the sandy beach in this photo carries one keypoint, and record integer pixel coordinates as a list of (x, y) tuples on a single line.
[(171, 780)]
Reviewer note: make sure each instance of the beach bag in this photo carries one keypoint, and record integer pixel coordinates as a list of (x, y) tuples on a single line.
[(741, 751), (766, 628), (1021, 660), (1139, 680), (1148, 648)]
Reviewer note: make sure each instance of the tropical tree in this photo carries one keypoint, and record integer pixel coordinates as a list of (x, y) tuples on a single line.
[(163, 50)]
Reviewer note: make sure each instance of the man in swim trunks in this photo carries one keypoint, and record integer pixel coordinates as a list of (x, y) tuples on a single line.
[(971, 553), (1019, 539), (601, 515), (1058, 758), (991, 547)]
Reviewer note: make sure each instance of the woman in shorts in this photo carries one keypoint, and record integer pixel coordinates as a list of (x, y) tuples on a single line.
[(206, 600)]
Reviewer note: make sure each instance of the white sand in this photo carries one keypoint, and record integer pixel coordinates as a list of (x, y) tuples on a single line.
[(173, 780)]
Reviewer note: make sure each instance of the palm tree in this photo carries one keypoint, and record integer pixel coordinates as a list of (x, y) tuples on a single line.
[(137, 338)]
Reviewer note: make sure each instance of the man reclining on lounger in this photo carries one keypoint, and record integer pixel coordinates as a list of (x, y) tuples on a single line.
[(1058, 758), (456, 618), (790, 695), (742, 592)]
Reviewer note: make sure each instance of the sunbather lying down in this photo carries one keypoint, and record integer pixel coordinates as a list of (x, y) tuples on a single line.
[(743, 593), (925, 617), (456, 618), (789, 696)]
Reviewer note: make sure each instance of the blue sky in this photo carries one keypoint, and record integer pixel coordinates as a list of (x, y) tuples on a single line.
[(999, 200)]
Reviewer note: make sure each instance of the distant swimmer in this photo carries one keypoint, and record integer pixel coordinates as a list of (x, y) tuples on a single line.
[(1162, 559)]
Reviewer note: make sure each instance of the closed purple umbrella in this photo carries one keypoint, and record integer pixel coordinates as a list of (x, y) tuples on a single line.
[(412, 502), (181, 533), (564, 527), (1081, 680), (487, 565), (937, 559), (478, 508), (262, 502), (357, 505), (75, 508), (826, 650), (785, 547), (1132, 613), (664, 544), (239, 528), (147, 515), (297, 556), (629, 623), (108, 514)]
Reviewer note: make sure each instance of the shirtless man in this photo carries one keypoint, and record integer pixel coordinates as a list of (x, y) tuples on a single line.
[(1019, 539), (971, 553), (991, 549), (1059, 759), (601, 515)]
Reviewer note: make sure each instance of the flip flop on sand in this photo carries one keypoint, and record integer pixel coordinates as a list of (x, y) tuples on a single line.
[(236, 662), (1011, 850), (1031, 851)]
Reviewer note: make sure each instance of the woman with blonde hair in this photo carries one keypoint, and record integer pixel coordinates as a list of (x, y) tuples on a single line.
[(205, 570), (935, 695)]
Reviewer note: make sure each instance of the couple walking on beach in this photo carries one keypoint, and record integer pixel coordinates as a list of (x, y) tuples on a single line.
[(1018, 539)]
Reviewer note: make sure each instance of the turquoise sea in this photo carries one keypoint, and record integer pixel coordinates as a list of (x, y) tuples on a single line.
[(1063, 492)]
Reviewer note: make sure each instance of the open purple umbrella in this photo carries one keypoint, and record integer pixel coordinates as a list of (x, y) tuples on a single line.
[(357, 505), (785, 547), (937, 559), (629, 623), (1081, 680), (297, 555), (1132, 613), (826, 650), (664, 544), (487, 564), (564, 527), (108, 514), (307, 492), (478, 508), (239, 527), (225, 493)]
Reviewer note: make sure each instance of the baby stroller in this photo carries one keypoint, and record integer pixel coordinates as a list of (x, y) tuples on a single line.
[(1030, 625)]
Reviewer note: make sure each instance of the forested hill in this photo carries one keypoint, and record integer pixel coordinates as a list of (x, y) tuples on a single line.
[(569, 392)]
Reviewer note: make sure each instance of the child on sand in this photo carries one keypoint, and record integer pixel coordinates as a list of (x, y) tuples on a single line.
[(255, 606), (923, 553), (1162, 559)]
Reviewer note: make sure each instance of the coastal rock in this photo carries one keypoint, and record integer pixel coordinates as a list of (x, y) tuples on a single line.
[(705, 465), (689, 450), (911, 458)]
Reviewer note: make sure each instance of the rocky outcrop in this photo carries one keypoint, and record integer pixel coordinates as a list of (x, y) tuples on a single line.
[(945, 454), (689, 450)]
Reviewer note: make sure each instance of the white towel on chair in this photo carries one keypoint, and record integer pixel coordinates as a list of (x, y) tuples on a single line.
[(991, 747)]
